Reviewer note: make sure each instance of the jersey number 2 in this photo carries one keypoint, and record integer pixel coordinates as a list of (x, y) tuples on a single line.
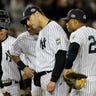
[(92, 45)]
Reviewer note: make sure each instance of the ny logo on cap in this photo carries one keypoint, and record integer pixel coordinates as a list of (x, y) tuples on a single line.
[(33, 10), (84, 16), (73, 15)]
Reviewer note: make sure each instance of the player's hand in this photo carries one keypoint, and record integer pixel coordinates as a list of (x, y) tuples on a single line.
[(24, 76), (29, 72), (66, 71), (51, 86), (6, 94)]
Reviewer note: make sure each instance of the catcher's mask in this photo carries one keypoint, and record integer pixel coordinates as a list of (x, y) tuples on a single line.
[(4, 19)]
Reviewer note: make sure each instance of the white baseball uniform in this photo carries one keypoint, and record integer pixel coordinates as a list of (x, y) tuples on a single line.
[(25, 44), (86, 58), (1, 94), (51, 39), (10, 70)]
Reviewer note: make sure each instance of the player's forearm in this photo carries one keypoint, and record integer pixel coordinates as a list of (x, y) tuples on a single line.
[(71, 55), (15, 58), (18, 61), (59, 65)]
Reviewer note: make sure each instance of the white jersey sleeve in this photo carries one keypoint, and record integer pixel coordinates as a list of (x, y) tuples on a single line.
[(77, 36), (58, 38), (16, 48), (25, 43)]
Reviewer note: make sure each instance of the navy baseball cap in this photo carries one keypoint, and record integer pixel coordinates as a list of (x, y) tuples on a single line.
[(4, 19), (30, 9), (77, 14)]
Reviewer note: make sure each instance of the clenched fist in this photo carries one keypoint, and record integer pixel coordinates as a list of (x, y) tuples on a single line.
[(29, 72)]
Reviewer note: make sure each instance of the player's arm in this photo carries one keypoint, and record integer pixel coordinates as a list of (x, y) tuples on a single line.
[(58, 43), (61, 46), (59, 65), (29, 72), (58, 68), (71, 56), (19, 62), (15, 52)]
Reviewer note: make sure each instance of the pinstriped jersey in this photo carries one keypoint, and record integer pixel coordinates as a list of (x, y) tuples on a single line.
[(86, 58), (51, 39), (25, 44), (10, 70)]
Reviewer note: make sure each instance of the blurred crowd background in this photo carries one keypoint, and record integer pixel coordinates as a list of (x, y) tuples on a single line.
[(53, 9)]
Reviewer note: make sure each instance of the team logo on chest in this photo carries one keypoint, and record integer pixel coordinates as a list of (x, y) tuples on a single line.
[(8, 56), (43, 43)]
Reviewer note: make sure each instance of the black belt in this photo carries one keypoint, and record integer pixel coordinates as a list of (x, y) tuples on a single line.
[(9, 82), (37, 77), (43, 72)]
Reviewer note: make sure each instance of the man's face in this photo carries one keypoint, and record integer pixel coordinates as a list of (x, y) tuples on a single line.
[(72, 25), (33, 31), (3, 33), (33, 21)]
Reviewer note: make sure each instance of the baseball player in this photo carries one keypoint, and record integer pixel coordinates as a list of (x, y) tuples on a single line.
[(51, 49), (11, 75), (81, 51), (25, 44)]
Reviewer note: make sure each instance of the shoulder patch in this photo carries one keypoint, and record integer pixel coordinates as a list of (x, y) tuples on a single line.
[(58, 41)]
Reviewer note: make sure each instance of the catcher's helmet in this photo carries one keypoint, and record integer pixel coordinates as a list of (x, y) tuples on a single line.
[(4, 19)]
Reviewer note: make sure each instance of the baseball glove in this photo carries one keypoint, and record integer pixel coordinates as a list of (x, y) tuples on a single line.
[(75, 80)]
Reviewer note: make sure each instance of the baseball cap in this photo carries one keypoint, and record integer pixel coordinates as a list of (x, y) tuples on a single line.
[(30, 9), (4, 19), (76, 14)]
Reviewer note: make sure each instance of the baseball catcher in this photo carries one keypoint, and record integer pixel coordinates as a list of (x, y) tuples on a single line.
[(75, 80)]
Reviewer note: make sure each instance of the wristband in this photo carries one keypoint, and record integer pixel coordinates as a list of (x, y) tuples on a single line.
[(21, 65)]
